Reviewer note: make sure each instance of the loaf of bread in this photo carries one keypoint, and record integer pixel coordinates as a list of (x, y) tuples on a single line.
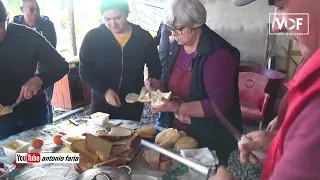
[(167, 137), (185, 143)]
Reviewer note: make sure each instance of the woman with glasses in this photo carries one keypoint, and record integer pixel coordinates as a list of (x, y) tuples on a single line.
[(112, 60), (201, 68)]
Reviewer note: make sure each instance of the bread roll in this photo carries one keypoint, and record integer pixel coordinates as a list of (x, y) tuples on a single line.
[(185, 143), (156, 102), (167, 137), (148, 130)]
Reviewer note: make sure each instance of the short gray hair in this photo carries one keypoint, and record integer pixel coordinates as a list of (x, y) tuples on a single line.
[(22, 2), (192, 13)]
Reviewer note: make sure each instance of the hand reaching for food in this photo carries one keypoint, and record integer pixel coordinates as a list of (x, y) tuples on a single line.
[(112, 98)]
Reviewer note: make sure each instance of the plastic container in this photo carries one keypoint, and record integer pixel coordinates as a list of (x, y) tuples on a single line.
[(58, 170), (12, 152), (34, 172)]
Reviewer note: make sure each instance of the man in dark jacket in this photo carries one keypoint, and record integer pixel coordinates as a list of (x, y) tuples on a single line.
[(31, 18), (18, 81)]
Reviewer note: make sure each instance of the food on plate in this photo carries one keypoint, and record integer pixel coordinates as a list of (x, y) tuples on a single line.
[(100, 146), (157, 101), (153, 159), (165, 166), (79, 146), (185, 143), (95, 151), (84, 164), (102, 133), (13, 145), (120, 131), (157, 161), (133, 143), (167, 137), (126, 153), (71, 139), (57, 139), (18, 165), (4, 110), (146, 131), (37, 143)]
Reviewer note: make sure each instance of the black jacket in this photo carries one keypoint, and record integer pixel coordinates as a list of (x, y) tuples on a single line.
[(20, 51), (209, 132), (105, 64), (46, 28)]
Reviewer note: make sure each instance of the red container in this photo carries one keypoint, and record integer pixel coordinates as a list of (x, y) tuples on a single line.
[(275, 80)]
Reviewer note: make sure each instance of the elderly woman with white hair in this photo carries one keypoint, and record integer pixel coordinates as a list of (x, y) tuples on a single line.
[(201, 68)]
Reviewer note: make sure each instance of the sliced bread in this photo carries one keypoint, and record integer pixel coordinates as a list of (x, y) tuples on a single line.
[(120, 132), (114, 161), (101, 146), (79, 146)]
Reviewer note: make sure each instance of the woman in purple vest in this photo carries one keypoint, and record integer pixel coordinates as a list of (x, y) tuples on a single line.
[(201, 67)]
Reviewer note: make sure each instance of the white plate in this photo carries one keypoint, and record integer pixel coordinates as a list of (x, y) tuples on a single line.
[(125, 123), (143, 177), (49, 177)]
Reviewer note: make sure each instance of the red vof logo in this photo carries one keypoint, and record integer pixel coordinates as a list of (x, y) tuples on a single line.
[(33, 157), (249, 83)]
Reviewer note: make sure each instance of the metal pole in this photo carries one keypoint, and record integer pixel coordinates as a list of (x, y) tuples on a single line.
[(67, 114)]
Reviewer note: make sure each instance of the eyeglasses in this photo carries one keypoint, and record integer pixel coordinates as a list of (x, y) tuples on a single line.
[(176, 30), (33, 9)]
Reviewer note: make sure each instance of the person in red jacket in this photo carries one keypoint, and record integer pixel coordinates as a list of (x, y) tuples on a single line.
[(292, 152)]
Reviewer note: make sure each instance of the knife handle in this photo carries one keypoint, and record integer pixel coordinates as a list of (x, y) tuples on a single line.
[(74, 122)]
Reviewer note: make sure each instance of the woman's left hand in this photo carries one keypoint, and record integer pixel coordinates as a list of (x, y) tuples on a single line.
[(169, 106)]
